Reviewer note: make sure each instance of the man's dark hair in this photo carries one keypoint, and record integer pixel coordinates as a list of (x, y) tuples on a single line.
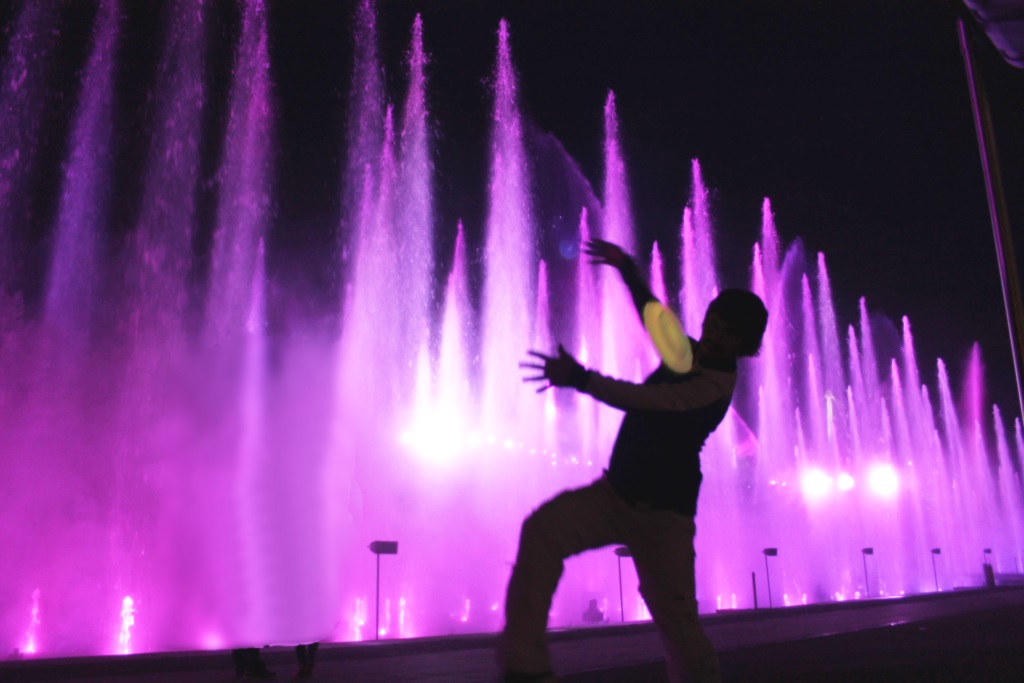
[(744, 313)]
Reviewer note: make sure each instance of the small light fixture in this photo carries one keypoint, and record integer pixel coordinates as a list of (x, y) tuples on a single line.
[(621, 552), (864, 556), (769, 552), (379, 548)]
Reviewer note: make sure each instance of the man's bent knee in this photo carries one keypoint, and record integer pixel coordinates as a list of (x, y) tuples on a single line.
[(536, 531)]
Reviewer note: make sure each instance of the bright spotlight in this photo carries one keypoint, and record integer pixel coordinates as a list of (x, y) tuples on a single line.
[(436, 436), (883, 480), (844, 482), (815, 484)]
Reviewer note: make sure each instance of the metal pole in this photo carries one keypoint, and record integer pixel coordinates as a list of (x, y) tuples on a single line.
[(376, 629), (768, 578), (753, 582), (867, 590), (997, 210), (622, 604), (935, 573)]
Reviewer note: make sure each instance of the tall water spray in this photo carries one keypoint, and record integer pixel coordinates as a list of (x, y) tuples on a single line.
[(26, 69), (73, 267), (510, 252)]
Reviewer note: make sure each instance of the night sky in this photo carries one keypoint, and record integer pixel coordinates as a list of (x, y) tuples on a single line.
[(852, 117)]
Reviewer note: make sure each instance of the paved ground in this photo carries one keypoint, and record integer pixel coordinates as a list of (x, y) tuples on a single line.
[(960, 636)]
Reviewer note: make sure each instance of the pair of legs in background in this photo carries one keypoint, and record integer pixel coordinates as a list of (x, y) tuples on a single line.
[(661, 542), (249, 664)]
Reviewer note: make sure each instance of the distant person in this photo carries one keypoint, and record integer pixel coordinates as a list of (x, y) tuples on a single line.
[(249, 664), (593, 615), (306, 654), (647, 498)]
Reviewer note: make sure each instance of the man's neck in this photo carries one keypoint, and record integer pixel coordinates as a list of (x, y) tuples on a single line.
[(726, 364)]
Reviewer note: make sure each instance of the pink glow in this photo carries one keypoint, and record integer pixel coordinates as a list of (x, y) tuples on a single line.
[(834, 381), (358, 619), (124, 637), (414, 205), (30, 646), (883, 480), (657, 278), (698, 255), (404, 629), (509, 288), (618, 225), (243, 462), (815, 485), (619, 343), (213, 641)]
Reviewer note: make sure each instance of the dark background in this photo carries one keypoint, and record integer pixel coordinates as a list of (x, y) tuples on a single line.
[(853, 117)]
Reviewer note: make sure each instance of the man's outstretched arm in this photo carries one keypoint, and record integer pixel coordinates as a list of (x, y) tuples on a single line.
[(663, 327), (562, 370)]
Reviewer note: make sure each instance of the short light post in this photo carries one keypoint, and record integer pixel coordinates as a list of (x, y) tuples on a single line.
[(769, 552), (379, 548), (987, 569), (621, 552), (935, 572), (864, 556)]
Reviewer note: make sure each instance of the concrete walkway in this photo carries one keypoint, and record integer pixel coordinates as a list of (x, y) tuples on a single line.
[(959, 636)]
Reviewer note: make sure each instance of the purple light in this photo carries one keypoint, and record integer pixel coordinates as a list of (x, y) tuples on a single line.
[(124, 637), (815, 485), (438, 437), (31, 644), (883, 480), (213, 640)]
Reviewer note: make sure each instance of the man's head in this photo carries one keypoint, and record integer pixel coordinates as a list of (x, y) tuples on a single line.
[(733, 325)]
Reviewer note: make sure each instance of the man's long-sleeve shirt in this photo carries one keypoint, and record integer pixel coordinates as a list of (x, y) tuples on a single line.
[(656, 457)]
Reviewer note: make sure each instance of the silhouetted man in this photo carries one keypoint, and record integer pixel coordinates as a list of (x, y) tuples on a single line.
[(647, 498)]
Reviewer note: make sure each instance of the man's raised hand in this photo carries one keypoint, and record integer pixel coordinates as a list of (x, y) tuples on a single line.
[(604, 253), (553, 371)]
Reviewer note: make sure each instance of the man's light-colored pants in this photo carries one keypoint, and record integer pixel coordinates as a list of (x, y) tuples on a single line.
[(591, 517)]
